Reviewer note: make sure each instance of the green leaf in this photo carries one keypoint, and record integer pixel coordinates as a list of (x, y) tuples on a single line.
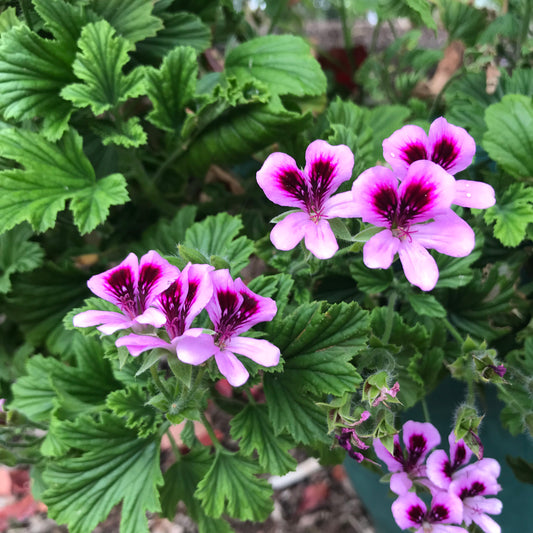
[(131, 403), (33, 71), (127, 133), (509, 137), (231, 486), (17, 254), (41, 299), (180, 29), (293, 411), (371, 280), (132, 19), (67, 174), (64, 20), (426, 304), (172, 87), (463, 21), (282, 62), (115, 466), (455, 271), (217, 236), (512, 213), (9, 19), (254, 429), (99, 64), (522, 469), (277, 287), (424, 10), (165, 235)]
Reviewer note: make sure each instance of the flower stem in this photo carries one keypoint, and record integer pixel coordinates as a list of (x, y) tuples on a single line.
[(453, 331), (425, 409), (173, 444), (211, 432), (389, 319), (250, 396), (159, 383)]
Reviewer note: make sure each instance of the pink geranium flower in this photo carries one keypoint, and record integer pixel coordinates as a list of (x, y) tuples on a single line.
[(410, 511), (233, 310), (132, 286), (416, 215), (186, 297), (309, 191), (450, 147)]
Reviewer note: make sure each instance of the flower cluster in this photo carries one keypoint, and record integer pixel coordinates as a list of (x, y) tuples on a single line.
[(411, 200), (152, 294), (458, 488)]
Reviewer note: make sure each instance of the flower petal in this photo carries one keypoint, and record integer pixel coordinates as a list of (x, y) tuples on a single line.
[(451, 146), (155, 275), (320, 239), (400, 483), (375, 195), (409, 511), (195, 347), (258, 350), (379, 250), (486, 523), (118, 283), (282, 181), (474, 194), (153, 317), (460, 453), (341, 205), (448, 234), (438, 469), (405, 146), (419, 438), (446, 508), (392, 463), (425, 191), (287, 233), (231, 368), (419, 267), (136, 344), (327, 167), (107, 321)]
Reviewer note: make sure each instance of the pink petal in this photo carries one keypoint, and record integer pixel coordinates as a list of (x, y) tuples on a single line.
[(420, 436), (107, 321), (474, 194), (426, 190), (287, 233), (153, 317), (379, 250), (448, 234), (419, 267), (258, 350), (328, 166), (375, 192), (453, 506), (195, 347), (405, 146), (392, 464), (254, 309), (460, 453), (486, 523), (409, 511), (437, 466), (282, 181), (320, 239), (223, 292), (155, 275), (110, 284), (400, 483), (341, 205), (451, 146), (137, 344), (231, 368)]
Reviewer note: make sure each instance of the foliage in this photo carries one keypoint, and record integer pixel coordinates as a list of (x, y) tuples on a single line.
[(130, 126)]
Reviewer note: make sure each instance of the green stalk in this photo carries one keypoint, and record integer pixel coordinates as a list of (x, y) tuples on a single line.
[(389, 319), (211, 432), (159, 383), (453, 331)]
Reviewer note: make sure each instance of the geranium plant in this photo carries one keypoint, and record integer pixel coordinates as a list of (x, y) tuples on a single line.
[(147, 147)]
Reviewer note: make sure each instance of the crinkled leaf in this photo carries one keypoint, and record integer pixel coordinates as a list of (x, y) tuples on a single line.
[(131, 403), (40, 300), (180, 29), (424, 10), (254, 429), (128, 133), (17, 254), (53, 174), (231, 486), (9, 19), (509, 137), (217, 236), (462, 21), (371, 280), (294, 412), (277, 286), (33, 71), (115, 466), (511, 214), (283, 62), (132, 19), (171, 87), (425, 304), (165, 235), (99, 65), (455, 271)]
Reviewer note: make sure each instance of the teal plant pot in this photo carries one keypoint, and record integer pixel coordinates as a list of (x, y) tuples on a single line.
[(516, 496)]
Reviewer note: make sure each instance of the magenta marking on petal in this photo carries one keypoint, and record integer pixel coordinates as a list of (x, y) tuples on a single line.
[(149, 275), (475, 489), (416, 514), (439, 513), (417, 446), (445, 153), (386, 203), (120, 283), (413, 152), (416, 198), (233, 314), (320, 177), (177, 306), (293, 183)]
